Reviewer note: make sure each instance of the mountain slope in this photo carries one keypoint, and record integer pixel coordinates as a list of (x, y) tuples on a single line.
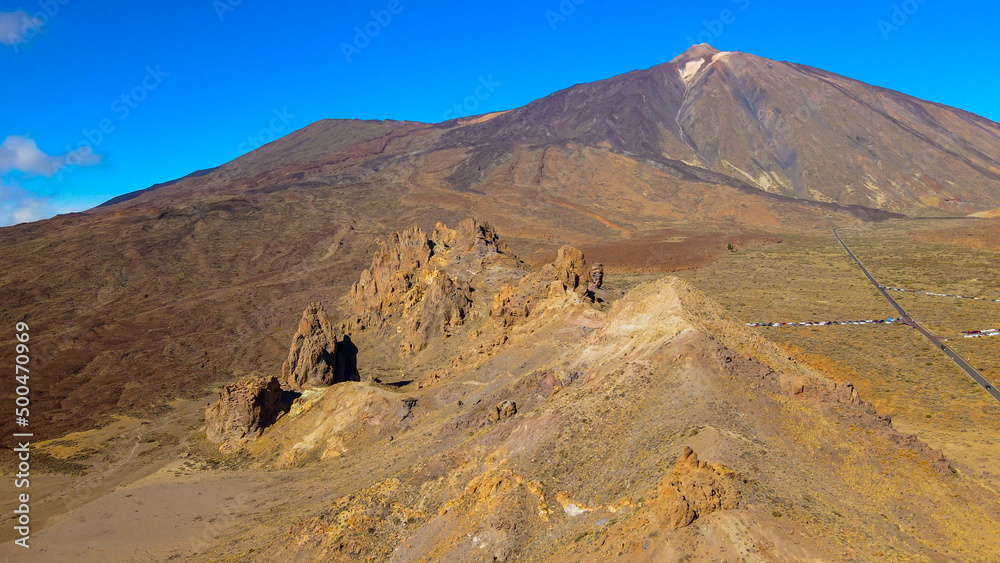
[(782, 127), (191, 283)]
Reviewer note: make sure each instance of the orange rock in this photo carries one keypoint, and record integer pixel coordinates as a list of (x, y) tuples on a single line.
[(693, 489)]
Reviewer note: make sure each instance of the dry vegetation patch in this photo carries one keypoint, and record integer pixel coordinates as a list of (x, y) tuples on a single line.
[(810, 277)]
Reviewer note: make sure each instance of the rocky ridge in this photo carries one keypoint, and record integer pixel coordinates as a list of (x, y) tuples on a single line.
[(502, 452)]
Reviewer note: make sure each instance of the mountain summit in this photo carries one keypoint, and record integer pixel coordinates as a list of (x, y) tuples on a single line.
[(700, 51)]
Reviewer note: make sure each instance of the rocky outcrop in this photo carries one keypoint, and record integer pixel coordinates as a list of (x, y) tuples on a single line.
[(846, 393), (424, 286), (571, 269), (502, 411), (442, 309), (423, 281), (242, 412), (694, 489), (597, 276), (391, 276), (510, 304), (313, 356), (471, 240), (567, 275)]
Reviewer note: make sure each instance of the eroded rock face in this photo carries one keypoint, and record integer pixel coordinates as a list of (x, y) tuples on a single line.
[(424, 279), (571, 269), (510, 304), (242, 412), (391, 276), (312, 358), (471, 239), (694, 489), (568, 274), (443, 308), (597, 276), (424, 286)]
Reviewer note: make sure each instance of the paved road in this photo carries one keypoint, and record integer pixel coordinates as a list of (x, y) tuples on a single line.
[(978, 377)]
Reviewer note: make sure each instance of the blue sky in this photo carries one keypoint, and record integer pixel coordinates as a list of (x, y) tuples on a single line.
[(102, 98)]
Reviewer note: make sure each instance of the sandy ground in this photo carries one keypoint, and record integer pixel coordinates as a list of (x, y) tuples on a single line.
[(170, 514)]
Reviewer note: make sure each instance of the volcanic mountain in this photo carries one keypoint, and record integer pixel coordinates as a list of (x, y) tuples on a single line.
[(190, 282), (778, 127)]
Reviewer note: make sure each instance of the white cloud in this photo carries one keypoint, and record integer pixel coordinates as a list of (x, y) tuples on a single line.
[(22, 154), (20, 157), (18, 205), (16, 26)]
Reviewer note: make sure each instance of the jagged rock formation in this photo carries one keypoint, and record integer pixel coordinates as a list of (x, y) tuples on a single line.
[(425, 279), (444, 307), (392, 274), (694, 489), (510, 304), (312, 358), (473, 240), (572, 269), (597, 276), (568, 275), (242, 412)]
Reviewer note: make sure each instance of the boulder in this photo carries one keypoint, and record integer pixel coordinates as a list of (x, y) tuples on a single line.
[(846, 393), (242, 412)]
